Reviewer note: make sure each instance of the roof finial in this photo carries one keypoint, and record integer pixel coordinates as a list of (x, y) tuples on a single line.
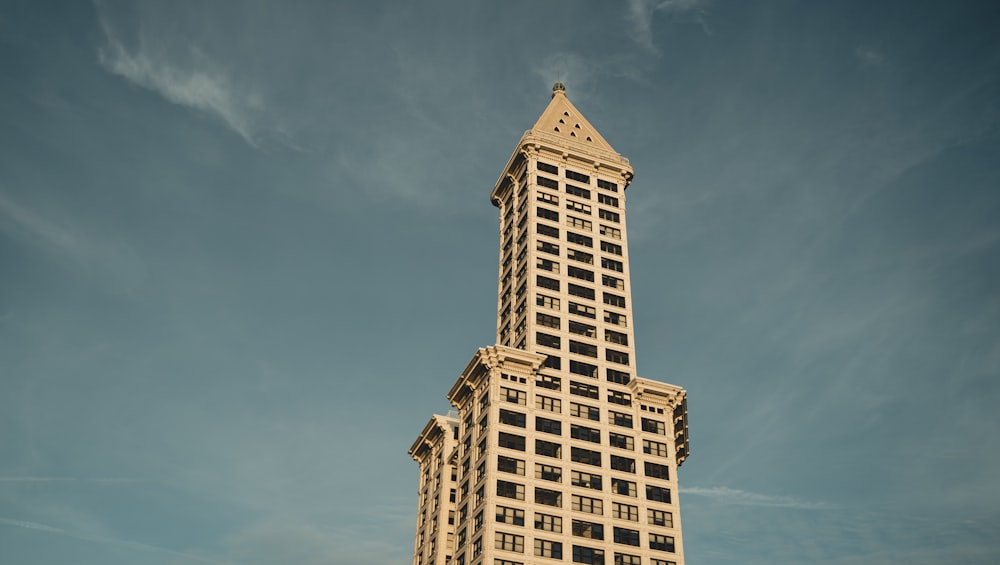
[(558, 87)]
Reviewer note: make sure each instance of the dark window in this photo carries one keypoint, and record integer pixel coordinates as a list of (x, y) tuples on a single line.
[(547, 321), (619, 357), (613, 282), (546, 247), (546, 282), (661, 543), (609, 215), (623, 487), (584, 433), (570, 174), (547, 182), (511, 441), (512, 418), (582, 329), (585, 369), (580, 256), (579, 239), (614, 300), (621, 441), (547, 340), (654, 426), (618, 376), (612, 336), (548, 168), (510, 465), (552, 362), (605, 199), (588, 529), (548, 426), (612, 264), (548, 473), (585, 456), (584, 411), (548, 448), (577, 191), (656, 470), (548, 381), (607, 185), (588, 555), (657, 494), (611, 248), (581, 389), (623, 464), (548, 497), (618, 397), (547, 230), (547, 214), (579, 273), (626, 536), (512, 516), (582, 348), (544, 548), (586, 480), (581, 291), (510, 490)]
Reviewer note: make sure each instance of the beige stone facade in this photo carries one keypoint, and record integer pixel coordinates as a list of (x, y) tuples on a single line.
[(559, 451)]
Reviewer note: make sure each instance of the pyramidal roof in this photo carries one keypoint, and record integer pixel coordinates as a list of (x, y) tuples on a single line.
[(561, 118)]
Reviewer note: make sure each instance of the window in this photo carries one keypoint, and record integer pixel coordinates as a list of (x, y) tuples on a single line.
[(546, 282), (548, 168), (550, 231), (509, 542), (620, 419), (614, 300), (613, 282), (547, 340), (546, 548), (657, 494), (581, 291), (588, 529), (511, 516), (578, 207), (510, 465), (548, 497), (582, 274), (548, 404), (608, 231), (661, 562), (623, 487), (548, 448), (656, 470), (548, 473), (654, 426), (547, 182), (584, 433), (612, 336), (512, 418), (626, 559), (585, 369), (548, 426), (606, 247), (612, 264), (511, 441), (548, 381), (547, 321), (545, 247), (624, 511), (512, 395), (661, 543), (582, 348), (588, 555), (477, 547), (581, 256), (654, 448), (605, 199), (621, 441), (582, 310), (500, 562), (660, 518), (510, 490), (579, 239), (616, 319), (547, 301), (581, 389), (627, 536), (549, 198), (584, 411), (577, 176), (548, 523), (582, 329), (587, 504), (619, 397), (607, 185), (577, 191), (546, 265), (623, 464), (619, 357), (579, 223), (585, 456), (585, 480), (618, 376), (608, 215)]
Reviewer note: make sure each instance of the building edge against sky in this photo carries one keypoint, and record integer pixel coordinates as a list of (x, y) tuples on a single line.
[(556, 450)]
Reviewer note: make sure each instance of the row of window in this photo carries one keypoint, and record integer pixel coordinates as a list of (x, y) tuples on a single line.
[(507, 464), (573, 175), (578, 503), (553, 549), (552, 449), (575, 308)]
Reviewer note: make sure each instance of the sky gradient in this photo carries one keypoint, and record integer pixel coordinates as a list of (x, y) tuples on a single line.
[(246, 248)]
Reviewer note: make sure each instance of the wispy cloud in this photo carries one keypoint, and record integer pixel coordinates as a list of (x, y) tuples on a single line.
[(726, 495), (869, 56), (640, 15), (98, 539)]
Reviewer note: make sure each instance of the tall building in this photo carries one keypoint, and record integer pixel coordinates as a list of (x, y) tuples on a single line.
[(556, 449)]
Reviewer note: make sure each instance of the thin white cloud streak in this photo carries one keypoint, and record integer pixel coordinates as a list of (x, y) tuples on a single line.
[(35, 226), (111, 541), (203, 85), (728, 495), (640, 15)]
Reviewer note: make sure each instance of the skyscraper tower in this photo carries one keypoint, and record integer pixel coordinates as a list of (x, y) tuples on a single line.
[(557, 450)]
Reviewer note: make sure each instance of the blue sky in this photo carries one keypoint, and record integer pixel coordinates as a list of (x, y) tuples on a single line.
[(246, 247)]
